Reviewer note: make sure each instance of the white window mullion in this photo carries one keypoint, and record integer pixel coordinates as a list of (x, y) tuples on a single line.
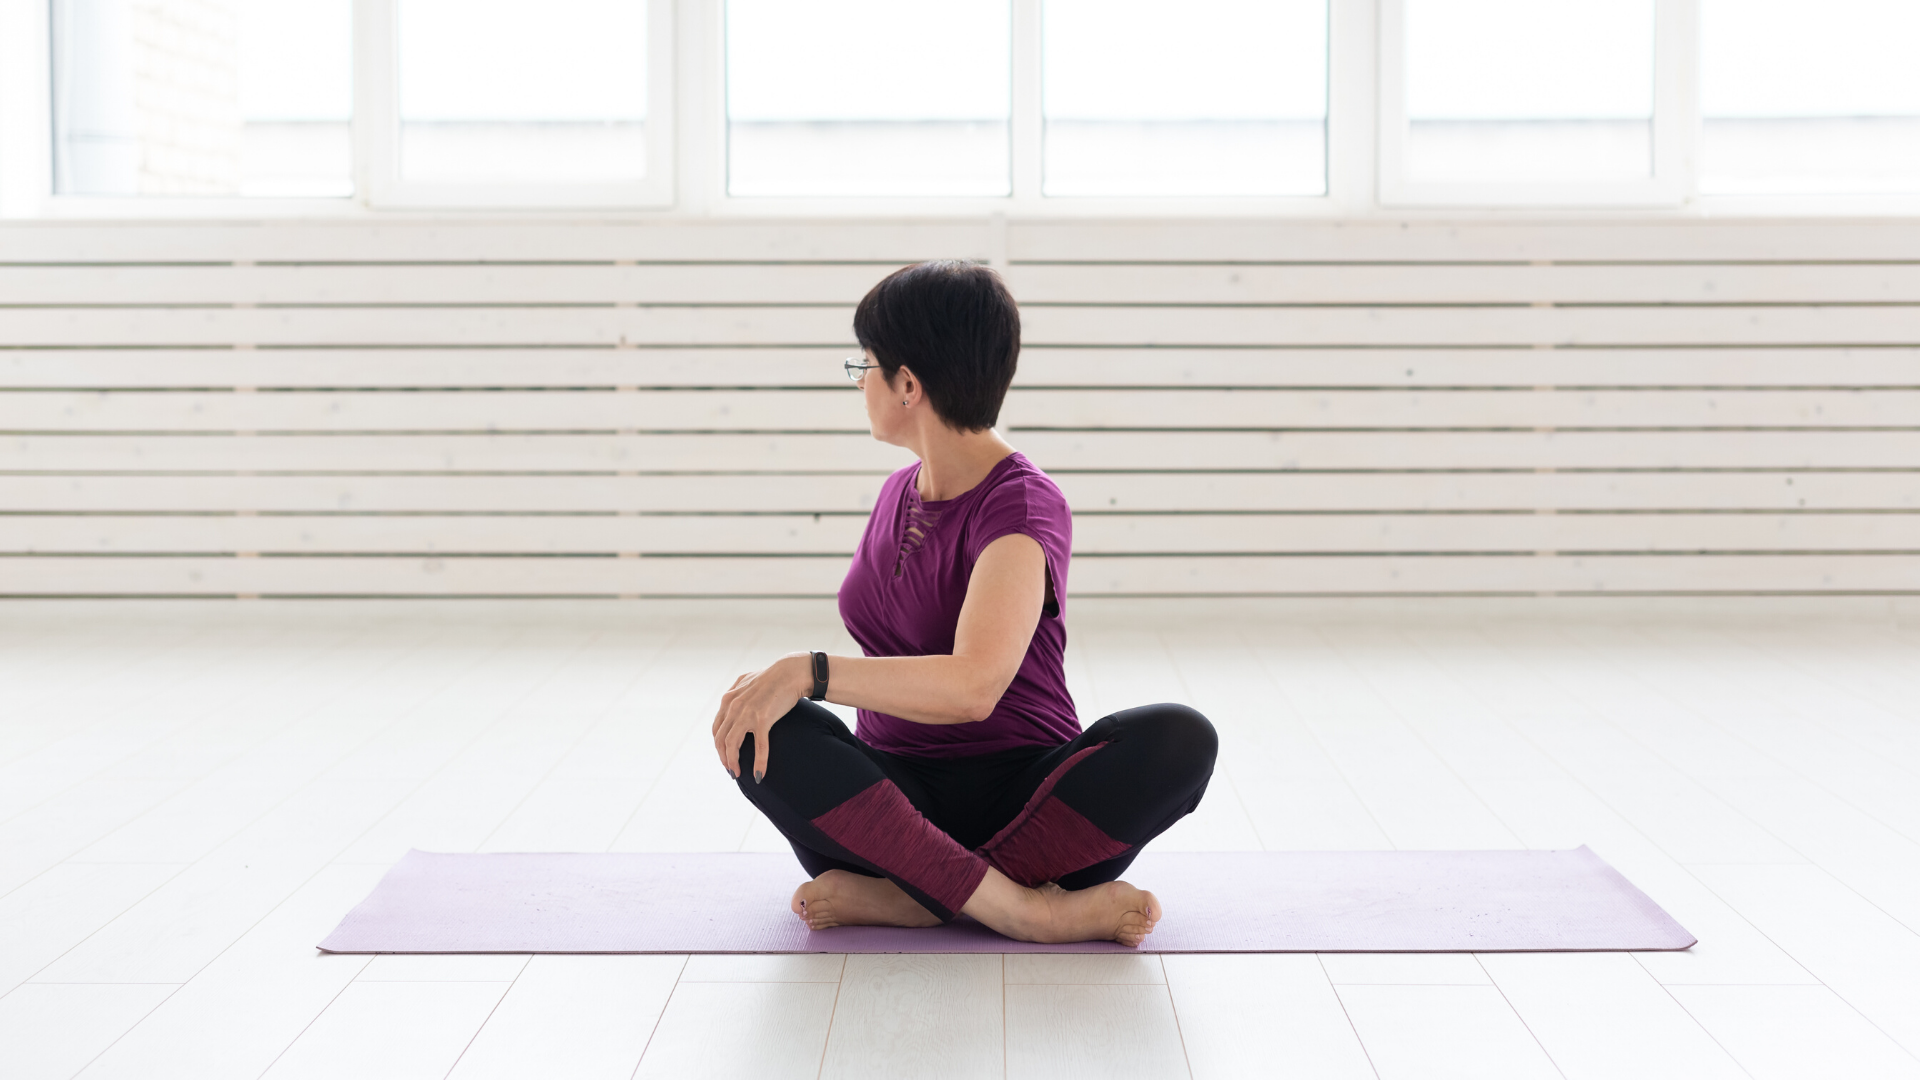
[(375, 133), (1352, 105), (1390, 124), (1676, 114), (663, 49), (700, 104), (1028, 132)]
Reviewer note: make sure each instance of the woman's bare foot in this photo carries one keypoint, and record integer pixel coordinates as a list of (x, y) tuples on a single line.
[(839, 898), (1115, 911)]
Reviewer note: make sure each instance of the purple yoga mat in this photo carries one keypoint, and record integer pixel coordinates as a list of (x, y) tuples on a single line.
[(1297, 901)]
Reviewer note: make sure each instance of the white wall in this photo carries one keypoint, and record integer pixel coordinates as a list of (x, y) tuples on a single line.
[(656, 408)]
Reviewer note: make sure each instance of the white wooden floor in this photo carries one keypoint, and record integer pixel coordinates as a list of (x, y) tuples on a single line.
[(190, 796)]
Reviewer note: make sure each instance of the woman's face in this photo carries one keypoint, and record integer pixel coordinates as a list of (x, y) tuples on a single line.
[(888, 404)]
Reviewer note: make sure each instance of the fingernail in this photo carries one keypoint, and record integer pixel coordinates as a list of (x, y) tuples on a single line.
[(759, 775)]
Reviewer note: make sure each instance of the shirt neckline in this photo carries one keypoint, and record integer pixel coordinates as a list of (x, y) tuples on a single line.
[(913, 486)]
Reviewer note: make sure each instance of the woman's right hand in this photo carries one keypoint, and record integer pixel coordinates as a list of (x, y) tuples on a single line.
[(754, 703)]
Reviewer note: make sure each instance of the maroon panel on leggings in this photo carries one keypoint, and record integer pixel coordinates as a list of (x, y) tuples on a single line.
[(1050, 839), (882, 827)]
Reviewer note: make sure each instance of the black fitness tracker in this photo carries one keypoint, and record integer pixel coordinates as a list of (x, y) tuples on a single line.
[(819, 677)]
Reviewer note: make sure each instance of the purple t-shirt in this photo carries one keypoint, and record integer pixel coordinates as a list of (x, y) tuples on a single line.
[(902, 597)]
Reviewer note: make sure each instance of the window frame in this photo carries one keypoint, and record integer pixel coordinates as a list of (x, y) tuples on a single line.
[(1674, 133), (687, 163)]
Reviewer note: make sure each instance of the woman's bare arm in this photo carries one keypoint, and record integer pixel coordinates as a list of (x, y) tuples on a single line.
[(997, 620), (1004, 596)]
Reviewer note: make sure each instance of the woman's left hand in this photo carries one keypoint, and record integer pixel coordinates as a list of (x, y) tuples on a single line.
[(756, 701)]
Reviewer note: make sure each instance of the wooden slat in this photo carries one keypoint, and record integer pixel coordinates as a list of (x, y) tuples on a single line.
[(1080, 283), (1106, 534), (1439, 450), (1637, 242), (1043, 326), (1552, 326), (842, 410), (1130, 239), (45, 242), (424, 368), (1056, 451), (837, 534), (1431, 367), (415, 283), (1508, 575), (1449, 492), (653, 534), (1039, 366), (1086, 492), (420, 576), (826, 409), (439, 494), (1055, 283), (695, 453), (1398, 409), (820, 576), (481, 326)]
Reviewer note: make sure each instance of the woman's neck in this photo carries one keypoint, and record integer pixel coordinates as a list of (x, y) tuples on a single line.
[(953, 463)]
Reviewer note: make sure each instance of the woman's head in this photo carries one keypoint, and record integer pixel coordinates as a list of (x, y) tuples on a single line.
[(954, 327)]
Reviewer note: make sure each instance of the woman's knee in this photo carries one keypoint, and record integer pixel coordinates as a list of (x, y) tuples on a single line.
[(1173, 725), (1177, 734), (803, 725)]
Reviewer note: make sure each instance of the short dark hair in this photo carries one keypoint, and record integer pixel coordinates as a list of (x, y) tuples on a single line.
[(956, 325)]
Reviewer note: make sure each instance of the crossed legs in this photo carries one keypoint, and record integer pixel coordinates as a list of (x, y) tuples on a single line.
[(1068, 824)]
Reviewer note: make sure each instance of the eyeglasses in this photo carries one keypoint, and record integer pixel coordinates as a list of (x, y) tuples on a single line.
[(856, 368)]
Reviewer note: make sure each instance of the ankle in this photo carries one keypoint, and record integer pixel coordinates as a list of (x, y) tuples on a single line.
[(1031, 915), (1012, 909)]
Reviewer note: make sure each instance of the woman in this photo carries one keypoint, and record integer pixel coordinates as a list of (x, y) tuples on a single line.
[(970, 788)]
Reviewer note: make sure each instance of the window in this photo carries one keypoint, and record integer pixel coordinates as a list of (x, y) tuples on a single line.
[(1207, 97), (468, 102), (1503, 90), (1040, 108), (203, 98), (869, 97), (505, 91), (1806, 98), (1526, 101), (511, 103)]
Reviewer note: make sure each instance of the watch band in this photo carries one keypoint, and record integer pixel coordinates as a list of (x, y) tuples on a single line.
[(819, 677)]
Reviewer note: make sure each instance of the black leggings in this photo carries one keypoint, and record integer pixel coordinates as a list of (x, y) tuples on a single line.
[(1074, 814)]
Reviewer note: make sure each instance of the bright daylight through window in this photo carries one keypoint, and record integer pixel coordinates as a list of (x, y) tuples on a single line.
[(203, 97), (1207, 97), (504, 91), (1509, 91), (868, 97), (475, 103), (1802, 97)]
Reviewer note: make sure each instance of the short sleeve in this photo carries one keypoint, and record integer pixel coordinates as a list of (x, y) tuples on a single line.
[(1032, 506)]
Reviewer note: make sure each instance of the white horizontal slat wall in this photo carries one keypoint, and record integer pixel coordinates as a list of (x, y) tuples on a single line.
[(1234, 408)]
